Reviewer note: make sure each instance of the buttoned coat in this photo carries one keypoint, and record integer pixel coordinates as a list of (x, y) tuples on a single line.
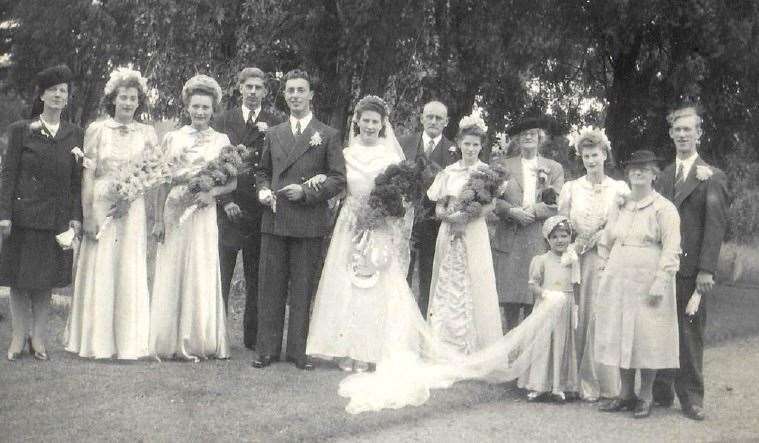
[(288, 159), (702, 205), (245, 195), (41, 178), (515, 245)]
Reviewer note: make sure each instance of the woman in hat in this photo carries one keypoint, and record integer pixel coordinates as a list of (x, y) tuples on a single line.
[(521, 209), (109, 311), (39, 199), (636, 320), (586, 201)]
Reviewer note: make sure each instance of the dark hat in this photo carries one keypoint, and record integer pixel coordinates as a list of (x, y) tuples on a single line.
[(52, 76), (543, 123), (642, 157)]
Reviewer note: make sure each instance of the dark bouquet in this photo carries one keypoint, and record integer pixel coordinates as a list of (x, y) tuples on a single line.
[(484, 184), (395, 189)]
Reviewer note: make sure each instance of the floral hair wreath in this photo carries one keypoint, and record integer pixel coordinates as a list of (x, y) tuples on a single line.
[(471, 121), (588, 132), (371, 99), (123, 75)]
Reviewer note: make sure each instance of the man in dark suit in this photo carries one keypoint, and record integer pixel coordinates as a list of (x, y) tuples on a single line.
[(700, 193), (440, 152), (239, 213), (293, 229)]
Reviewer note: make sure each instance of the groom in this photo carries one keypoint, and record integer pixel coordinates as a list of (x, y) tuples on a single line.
[(296, 222)]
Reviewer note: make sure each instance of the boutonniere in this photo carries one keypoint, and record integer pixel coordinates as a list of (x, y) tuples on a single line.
[(262, 126), (703, 172), (316, 140), (622, 196), (36, 127)]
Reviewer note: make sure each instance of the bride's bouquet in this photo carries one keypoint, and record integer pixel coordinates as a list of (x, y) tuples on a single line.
[(151, 170), (227, 165)]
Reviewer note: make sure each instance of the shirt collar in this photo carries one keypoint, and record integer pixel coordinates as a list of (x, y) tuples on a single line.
[(246, 112), (687, 163), (303, 122), (426, 139), (113, 124)]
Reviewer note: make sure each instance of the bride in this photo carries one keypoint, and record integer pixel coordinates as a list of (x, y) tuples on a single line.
[(350, 315), (372, 316)]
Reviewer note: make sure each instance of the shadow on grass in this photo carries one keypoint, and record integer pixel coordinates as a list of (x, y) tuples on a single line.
[(75, 399)]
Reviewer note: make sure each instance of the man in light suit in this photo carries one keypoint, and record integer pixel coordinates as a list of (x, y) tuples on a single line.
[(440, 152), (699, 191), (298, 218), (239, 213), (521, 210)]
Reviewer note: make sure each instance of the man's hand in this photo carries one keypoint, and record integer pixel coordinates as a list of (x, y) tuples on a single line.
[(315, 182), (693, 303), (232, 210), (521, 216), (704, 282), (293, 192), (266, 197), (76, 225)]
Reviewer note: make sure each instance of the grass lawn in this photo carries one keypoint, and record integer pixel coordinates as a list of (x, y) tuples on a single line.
[(71, 399)]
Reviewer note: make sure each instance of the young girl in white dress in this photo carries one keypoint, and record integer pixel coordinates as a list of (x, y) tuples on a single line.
[(110, 313), (187, 316), (553, 369), (463, 308)]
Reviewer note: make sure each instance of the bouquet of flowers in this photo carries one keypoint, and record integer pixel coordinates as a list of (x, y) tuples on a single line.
[(218, 172), (394, 190), (545, 193), (136, 179), (484, 184)]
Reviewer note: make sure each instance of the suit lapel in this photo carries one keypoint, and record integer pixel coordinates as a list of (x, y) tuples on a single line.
[(300, 144), (691, 182), (666, 183)]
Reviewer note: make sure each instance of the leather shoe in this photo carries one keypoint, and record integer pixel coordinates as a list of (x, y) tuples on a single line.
[(262, 361), (694, 413), (305, 364), (642, 409), (618, 404)]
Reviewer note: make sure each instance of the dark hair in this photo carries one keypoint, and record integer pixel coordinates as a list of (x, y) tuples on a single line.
[(471, 130), (142, 98), (369, 104), (298, 73)]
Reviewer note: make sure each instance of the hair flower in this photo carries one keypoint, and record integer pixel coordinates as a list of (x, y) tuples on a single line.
[(119, 76), (596, 135), (470, 121)]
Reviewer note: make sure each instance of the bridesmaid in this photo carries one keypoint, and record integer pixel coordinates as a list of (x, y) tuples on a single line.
[(39, 198), (586, 202), (109, 312), (463, 310), (187, 318)]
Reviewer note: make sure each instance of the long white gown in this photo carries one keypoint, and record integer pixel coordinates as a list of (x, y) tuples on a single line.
[(187, 317), (110, 314), (349, 320)]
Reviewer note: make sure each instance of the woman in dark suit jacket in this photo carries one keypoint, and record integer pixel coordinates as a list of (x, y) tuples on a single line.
[(39, 198)]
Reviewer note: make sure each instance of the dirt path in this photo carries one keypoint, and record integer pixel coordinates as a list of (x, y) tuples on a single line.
[(732, 406)]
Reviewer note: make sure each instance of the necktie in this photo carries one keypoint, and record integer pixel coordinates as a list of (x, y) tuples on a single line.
[(249, 122), (297, 129), (678, 179), (430, 148)]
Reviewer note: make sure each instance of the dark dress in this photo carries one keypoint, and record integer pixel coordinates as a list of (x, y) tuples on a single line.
[(40, 194)]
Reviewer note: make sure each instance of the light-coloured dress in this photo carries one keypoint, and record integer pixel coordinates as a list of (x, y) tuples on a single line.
[(463, 309), (349, 320), (587, 206), (554, 363), (642, 241), (187, 317), (110, 314)]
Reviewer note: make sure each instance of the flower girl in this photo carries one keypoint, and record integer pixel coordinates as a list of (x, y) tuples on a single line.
[(553, 368)]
